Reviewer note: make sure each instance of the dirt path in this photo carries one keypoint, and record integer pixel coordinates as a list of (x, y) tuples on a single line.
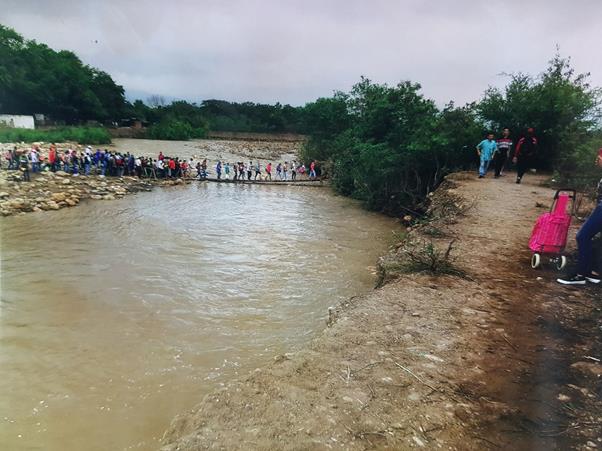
[(498, 360)]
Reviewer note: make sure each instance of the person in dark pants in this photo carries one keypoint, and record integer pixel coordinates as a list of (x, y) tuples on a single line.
[(585, 238), (524, 155), (504, 147), (24, 167)]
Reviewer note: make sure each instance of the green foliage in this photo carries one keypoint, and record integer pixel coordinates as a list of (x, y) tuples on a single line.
[(325, 118), (560, 105), (178, 121), (251, 117), (82, 135), (36, 79), (223, 116), (389, 146), (174, 129), (579, 171)]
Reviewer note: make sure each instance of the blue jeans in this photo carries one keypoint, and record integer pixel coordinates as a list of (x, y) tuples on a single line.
[(87, 168), (586, 234), (483, 167)]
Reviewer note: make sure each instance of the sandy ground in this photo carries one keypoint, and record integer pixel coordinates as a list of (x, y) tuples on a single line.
[(501, 359)]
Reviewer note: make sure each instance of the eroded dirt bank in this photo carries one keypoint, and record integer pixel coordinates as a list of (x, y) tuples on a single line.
[(503, 358)]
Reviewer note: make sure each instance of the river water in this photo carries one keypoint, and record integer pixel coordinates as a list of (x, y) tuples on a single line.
[(115, 316)]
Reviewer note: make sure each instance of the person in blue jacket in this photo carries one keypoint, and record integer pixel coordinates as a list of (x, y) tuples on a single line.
[(486, 150)]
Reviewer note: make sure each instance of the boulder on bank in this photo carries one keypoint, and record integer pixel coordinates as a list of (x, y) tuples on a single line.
[(58, 197)]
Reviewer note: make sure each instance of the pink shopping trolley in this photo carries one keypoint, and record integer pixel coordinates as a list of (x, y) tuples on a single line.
[(551, 229)]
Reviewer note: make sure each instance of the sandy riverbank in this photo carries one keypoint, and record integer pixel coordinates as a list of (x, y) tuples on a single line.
[(497, 359)]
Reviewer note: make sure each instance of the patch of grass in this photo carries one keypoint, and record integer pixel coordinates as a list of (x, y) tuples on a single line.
[(82, 135)]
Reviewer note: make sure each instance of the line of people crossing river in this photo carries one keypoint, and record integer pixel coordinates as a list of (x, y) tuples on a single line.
[(117, 164), (253, 171)]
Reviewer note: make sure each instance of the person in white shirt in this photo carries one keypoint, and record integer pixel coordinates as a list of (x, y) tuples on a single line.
[(34, 157), (160, 168)]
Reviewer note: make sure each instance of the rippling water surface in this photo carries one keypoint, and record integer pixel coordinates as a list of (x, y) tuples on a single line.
[(115, 316)]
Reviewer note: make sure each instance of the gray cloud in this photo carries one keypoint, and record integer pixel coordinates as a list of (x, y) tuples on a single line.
[(296, 51)]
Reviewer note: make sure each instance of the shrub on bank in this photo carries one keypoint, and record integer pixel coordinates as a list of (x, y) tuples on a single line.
[(82, 135), (175, 130)]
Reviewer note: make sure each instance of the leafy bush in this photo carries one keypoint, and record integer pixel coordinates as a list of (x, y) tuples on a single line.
[(174, 129), (82, 135), (389, 146), (559, 104)]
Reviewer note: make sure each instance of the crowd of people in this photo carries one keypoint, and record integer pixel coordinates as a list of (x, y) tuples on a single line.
[(117, 164), (499, 152)]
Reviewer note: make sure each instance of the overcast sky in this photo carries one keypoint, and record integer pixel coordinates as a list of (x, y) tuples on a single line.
[(295, 51)]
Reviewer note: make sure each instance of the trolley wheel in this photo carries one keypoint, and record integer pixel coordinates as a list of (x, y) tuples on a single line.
[(535, 261), (561, 262)]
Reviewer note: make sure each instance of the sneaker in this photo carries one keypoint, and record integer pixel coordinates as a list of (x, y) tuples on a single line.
[(518, 180), (577, 279), (593, 278), (481, 176)]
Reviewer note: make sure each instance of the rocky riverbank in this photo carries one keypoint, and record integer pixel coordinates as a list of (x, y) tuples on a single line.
[(488, 354), (53, 191)]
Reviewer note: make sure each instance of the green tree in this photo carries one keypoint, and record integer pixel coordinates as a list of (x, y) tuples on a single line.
[(559, 104), (36, 79), (388, 145)]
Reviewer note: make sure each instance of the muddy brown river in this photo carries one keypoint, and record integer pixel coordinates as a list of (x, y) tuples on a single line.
[(115, 316)]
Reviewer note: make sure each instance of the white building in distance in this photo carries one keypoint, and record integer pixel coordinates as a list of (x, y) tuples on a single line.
[(17, 121)]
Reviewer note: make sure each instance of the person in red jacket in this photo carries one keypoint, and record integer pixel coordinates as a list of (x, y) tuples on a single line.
[(171, 166), (524, 155), (52, 157)]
